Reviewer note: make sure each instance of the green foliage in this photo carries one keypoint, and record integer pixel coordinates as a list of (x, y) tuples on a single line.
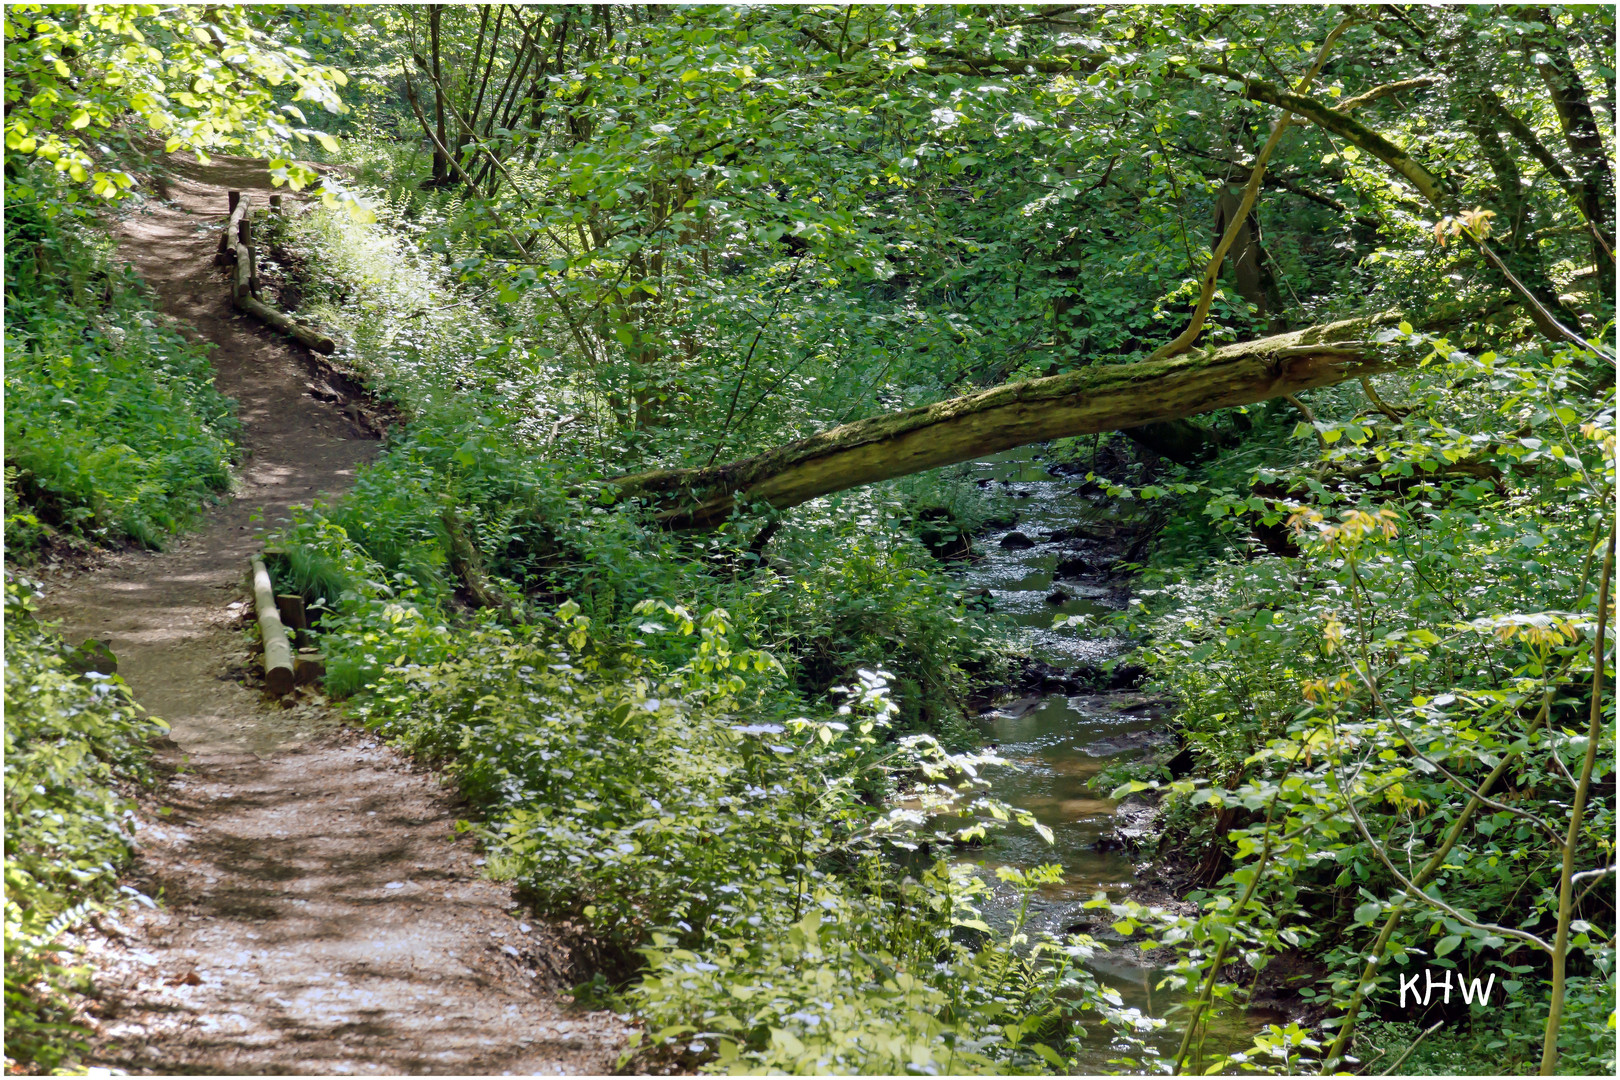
[(73, 744), (113, 426), (738, 225), (682, 235), (199, 78), (843, 584), (657, 287), (1505, 1040), (678, 806), (649, 772), (1439, 617)]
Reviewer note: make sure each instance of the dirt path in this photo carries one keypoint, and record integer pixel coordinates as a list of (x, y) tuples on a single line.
[(319, 915)]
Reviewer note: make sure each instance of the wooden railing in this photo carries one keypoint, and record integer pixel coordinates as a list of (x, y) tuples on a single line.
[(236, 249)]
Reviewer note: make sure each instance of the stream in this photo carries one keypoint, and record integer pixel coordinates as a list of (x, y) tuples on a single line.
[(1056, 742)]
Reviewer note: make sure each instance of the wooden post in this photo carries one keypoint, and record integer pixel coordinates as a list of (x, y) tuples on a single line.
[(242, 278), (308, 667), (290, 606), (278, 656), (233, 227), (275, 205), (233, 198), (244, 239)]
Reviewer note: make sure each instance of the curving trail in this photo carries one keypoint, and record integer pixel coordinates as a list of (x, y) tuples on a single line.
[(318, 913)]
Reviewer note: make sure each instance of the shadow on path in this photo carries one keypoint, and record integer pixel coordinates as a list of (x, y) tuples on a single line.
[(318, 914)]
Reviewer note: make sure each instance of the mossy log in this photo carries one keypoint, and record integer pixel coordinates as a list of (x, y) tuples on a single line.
[(1104, 397)]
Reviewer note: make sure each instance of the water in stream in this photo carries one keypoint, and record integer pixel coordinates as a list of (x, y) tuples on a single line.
[(1057, 743)]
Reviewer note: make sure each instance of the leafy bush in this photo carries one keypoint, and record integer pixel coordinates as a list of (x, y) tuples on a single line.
[(683, 809), (73, 744), (1504, 1040), (114, 428), (1436, 627), (476, 485)]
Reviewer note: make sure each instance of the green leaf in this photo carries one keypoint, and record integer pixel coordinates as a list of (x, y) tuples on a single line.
[(1051, 1056)]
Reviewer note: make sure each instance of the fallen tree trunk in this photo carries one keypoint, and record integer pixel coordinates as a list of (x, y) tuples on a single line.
[(1106, 397)]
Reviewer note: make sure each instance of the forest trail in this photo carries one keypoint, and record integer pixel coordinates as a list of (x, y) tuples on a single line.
[(318, 914)]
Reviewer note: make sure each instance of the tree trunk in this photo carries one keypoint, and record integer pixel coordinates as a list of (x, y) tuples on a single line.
[(1244, 257), (1588, 147), (441, 162), (1100, 398)]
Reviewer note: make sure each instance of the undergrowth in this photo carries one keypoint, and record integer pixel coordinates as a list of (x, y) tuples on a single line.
[(74, 744), (478, 498), (1434, 618), (663, 790), (692, 746), (114, 430)]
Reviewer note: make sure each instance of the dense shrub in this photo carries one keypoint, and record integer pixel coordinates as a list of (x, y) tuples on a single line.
[(476, 485), (685, 811)]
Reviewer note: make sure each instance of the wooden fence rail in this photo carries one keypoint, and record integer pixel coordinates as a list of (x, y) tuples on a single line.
[(236, 249)]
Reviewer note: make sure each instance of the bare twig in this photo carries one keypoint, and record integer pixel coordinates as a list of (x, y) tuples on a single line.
[(731, 411), (1347, 1023), (1378, 402), (1415, 891), (1430, 1030)]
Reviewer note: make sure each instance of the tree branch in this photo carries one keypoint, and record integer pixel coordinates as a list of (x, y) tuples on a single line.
[(1594, 731), (1415, 891), (1195, 326), (1349, 105)]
